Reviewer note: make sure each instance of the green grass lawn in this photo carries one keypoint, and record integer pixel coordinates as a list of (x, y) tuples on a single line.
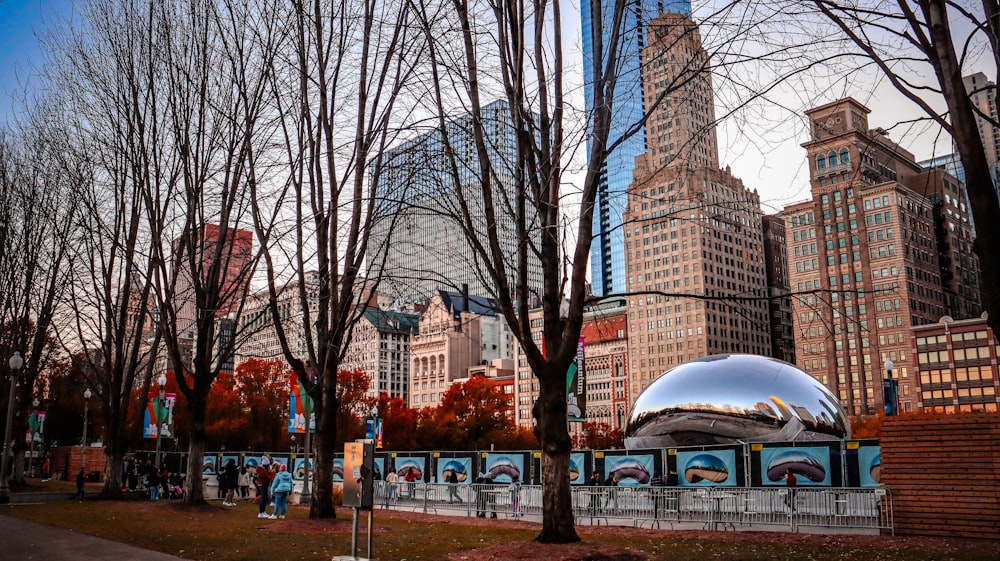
[(216, 533)]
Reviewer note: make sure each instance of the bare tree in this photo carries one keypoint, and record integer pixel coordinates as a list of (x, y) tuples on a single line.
[(343, 66), (211, 79), (104, 67), (38, 214), (904, 41)]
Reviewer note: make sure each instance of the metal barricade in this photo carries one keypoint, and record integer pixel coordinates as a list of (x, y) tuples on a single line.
[(710, 508)]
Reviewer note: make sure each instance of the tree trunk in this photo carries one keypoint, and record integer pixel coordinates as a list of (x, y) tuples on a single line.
[(553, 434), (194, 485), (965, 132), (322, 493), (112, 473)]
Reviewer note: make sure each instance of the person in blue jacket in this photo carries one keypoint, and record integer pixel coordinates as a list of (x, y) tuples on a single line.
[(281, 487)]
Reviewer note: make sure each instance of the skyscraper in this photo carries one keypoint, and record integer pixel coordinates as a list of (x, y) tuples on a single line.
[(693, 238), (418, 242), (869, 257), (607, 254)]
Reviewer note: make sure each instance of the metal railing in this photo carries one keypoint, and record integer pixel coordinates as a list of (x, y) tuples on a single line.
[(710, 508)]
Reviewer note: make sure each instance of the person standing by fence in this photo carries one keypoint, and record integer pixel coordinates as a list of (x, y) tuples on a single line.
[(515, 497), (656, 483), (263, 486)]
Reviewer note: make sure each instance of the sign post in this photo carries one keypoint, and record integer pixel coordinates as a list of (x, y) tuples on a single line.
[(359, 463)]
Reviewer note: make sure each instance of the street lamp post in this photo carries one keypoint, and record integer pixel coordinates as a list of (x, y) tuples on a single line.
[(83, 443), (890, 391), (15, 364), (161, 405)]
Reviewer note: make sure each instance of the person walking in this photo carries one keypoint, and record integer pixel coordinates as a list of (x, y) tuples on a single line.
[(281, 487), (595, 494), (80, 479), (790, 484), (231, 474), (612, 502), (263, 486), (453, 488), (153, 481), (244, 482)]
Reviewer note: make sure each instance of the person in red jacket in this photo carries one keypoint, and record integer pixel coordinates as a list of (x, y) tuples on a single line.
[(263, 486)]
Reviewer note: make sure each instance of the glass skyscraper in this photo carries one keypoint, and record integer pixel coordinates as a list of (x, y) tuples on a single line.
[(607, 254)]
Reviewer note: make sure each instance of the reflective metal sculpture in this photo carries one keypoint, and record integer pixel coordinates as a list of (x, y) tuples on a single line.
[(726, 399)]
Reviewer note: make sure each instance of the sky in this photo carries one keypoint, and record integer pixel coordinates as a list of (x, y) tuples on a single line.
[(775, 167), (20, 21)]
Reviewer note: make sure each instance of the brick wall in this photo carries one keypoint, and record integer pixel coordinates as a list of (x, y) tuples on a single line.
[(944, 473), (71, 455)]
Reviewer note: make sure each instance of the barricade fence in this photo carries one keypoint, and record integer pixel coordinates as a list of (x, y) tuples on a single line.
[(792, 509)]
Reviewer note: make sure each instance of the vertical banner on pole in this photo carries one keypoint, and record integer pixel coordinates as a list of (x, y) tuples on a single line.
[(576, 387), (155, 412), (300, 408)]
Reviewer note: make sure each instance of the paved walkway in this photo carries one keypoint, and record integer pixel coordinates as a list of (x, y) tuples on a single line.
[(29, 541)]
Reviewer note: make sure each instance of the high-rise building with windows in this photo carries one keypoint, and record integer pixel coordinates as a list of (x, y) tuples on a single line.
[(865, 256), (696, 275), (418, 242), (627, 134), (779, 304), (957, 362)]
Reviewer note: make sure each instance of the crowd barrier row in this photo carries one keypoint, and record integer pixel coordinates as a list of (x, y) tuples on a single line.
[(785, 509)]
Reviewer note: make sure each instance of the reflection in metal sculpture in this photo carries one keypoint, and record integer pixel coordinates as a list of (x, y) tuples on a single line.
[(729, 399)]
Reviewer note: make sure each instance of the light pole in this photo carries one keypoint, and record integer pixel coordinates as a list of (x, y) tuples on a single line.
[(890, 391), (158, 411), (15, 364), (83, 443), (31, 462)]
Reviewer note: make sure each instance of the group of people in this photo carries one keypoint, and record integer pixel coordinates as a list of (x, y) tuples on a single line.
[(274, 484), (234, 480), (157, 481)]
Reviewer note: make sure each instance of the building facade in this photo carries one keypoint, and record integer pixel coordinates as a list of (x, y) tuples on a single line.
[(983, 94), (863, 257), (380, 347), (605, 335), (450, 340), (694, 243), (418, 242), (604, 338), (607, 254), (779, 304), (957, 366), (235, 258)]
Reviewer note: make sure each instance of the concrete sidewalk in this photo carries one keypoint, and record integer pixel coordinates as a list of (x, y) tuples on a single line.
[(28, 541)]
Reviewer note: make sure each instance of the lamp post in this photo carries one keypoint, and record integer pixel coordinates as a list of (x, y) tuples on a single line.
[(15, 364), (158, 410), (31, 462), (890, 391), (83, 443)]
